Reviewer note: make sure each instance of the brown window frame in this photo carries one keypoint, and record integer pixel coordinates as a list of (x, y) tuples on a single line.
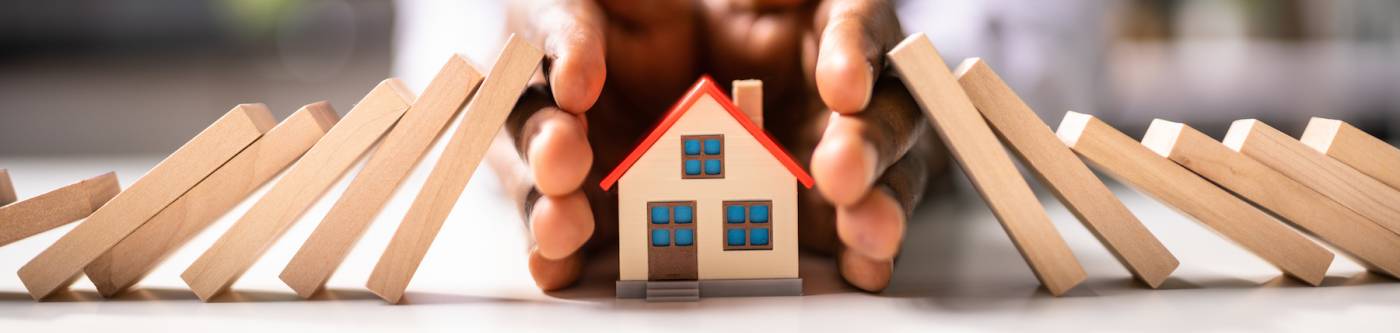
[(702, 157), (671, 224), (747, 225)]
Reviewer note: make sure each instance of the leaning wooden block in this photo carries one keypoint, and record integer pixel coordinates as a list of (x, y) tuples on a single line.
[(55, 208), (62, 262), (396, 156), (1356, 236), (485, 114), (1351, 188), (239, 247), (1132, 163), (7, 188), (1355, 148), (131, 259), (1066, 176), (985, 162)]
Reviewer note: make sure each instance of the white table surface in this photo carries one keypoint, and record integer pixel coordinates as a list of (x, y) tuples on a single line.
[(957, 271)]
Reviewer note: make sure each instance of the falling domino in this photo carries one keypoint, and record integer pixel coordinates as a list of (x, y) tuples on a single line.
[(986, 164), (396, 156), (1355, 148), (55, 208), (1132, 163), (1367, 242), (484, 116), (1066, 176), (7, 188), (131, 259), (60, 264), (304, 182), (1351, 188)]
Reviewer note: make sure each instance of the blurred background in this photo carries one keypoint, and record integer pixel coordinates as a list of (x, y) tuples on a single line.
[(141, 77)]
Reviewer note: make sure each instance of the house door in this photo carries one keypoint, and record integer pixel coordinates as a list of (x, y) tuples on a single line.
[(671, 240)]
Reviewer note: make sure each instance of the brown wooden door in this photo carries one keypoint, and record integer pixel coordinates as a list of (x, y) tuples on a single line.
[(671, 241)]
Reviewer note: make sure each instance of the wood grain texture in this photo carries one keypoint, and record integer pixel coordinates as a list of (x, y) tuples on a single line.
[(484, 116), (1355, 148), (986, 164), (1134, 164), (241, 246), (1368, 243), (1065, 175), (137, 255), (1365, 195), (7, 188), (396, 156), (63, 262), (56, 208)]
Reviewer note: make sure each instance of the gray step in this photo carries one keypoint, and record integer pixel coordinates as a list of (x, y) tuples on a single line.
[(695, 298), (673, 292), (685, 284)]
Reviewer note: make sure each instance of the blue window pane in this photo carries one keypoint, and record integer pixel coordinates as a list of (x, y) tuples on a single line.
[(692, 147), (712, 167), (758, 236), (735, 237), (712, 147), (683, 214), (734, 214), (660, 215), (685, 237), (758, 214), (660, 237), (692, 167)]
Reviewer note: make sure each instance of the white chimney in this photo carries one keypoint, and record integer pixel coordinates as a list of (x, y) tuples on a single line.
[(748, 96)]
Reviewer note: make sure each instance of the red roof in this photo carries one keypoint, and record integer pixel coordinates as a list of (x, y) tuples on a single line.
[(706, 86)]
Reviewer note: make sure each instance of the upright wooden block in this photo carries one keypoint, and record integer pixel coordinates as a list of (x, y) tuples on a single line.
[(1351, 188), (748, 96), (396, 156), (55, 208), (62, 262), (985, 162), (1355, 148), (245, 242), (7, 188), (1066, 176), (1132, 163), (131, 259), (485, 114), (1367, 242)]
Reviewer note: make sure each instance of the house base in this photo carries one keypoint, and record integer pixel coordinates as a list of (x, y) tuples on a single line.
[(663, 291)]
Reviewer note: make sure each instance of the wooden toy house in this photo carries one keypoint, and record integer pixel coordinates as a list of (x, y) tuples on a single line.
[(707, 205)]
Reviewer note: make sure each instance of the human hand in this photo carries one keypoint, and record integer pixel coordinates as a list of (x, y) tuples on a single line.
[(619, 64)]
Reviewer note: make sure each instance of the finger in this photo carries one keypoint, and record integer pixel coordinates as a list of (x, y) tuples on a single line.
[(873, 227), (550, 274), (856, 148), (868, 274), (571, 33), (561, 224), (552, 142), (854, 37)]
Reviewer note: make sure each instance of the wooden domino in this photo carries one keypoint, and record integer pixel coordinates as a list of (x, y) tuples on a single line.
[(484, 116), (1367, 242), (60, 264), (1355, 148), (131, 259), (1132, 163), (396, 156), (986, 163), (304, 182), (7, 188), (55, 208), (1066, 176), (1351, 188)]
